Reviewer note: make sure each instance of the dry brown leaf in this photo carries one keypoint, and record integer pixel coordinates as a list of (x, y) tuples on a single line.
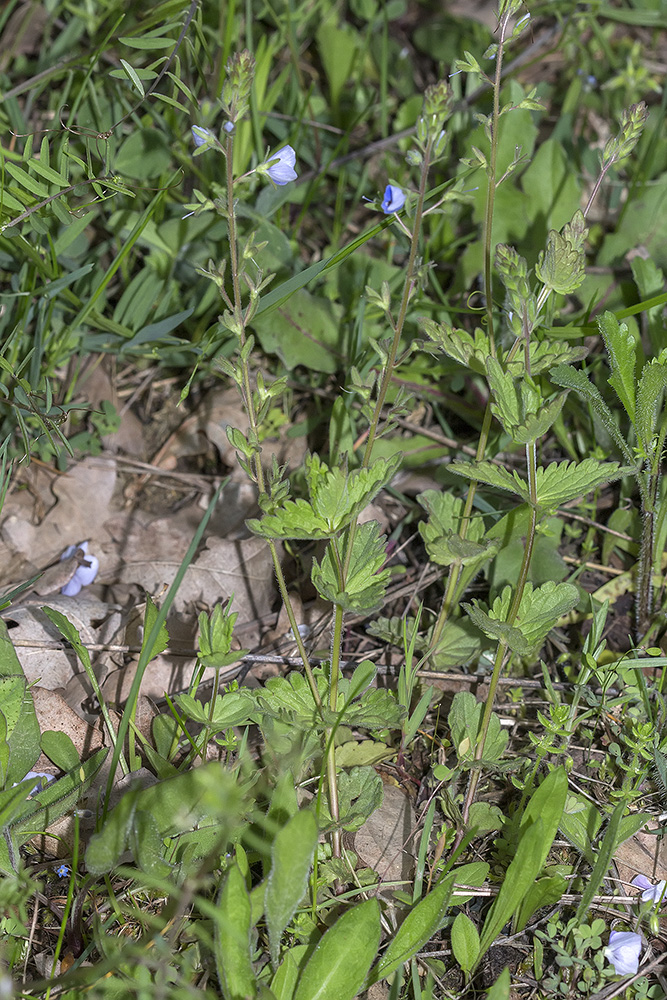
[(643, 854), (84, 495), (383, 842), (53, 713), (97, 387), (32, 633)]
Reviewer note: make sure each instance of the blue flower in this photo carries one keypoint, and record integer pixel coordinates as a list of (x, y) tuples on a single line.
[(394, 199), (652, 892), (200, 135), (85, 572), (623, 952), (281, 169), (62, 871)]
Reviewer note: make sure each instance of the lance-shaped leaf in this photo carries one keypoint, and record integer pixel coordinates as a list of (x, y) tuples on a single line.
[(232, 942), (365, 582), (539, 611), (20, 818), (573, 378), (20, 737), (291, 860), (339, 964), (650, 390), (622, 350)]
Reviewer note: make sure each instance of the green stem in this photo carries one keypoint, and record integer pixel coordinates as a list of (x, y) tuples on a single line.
[(491, 186), (408, 286), (252, 417), (451, 590), (334, 674), (502, 649)]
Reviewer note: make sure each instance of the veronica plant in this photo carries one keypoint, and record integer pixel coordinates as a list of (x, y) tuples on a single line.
[(523, 402)]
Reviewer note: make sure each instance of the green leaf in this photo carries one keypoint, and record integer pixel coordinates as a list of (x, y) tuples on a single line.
[(501, 988), (291, 860), (492, 475), (622, 350), (650, 391), (555, 485), (144, 154), (338, 497), (337, 46), (421, 923), (365, 582), (44, 808), (552, 187), (539, 611), (216, 632), (162, 639), (284, 982), (458, 642), (545, 354), (179, 805), (359, 795), (59, 748), (305, 330), (580, 823), (295, 519), (518, 405), (234, 708), (464, 720), (608, 846), (338, 966), (465, 942), (545, 892), (520, 875), (233, 948), (573, 378), (471, 351), (441, 536), (17, 708), (561, 482), (561, 266)]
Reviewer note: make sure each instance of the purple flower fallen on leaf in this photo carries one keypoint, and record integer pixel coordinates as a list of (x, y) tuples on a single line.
[(394, 199), (44, 779), (200, 135), (282, 163), (652, 892), (85, 572), (623, 952)]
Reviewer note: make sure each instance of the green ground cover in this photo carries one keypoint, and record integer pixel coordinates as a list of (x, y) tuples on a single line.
[(422, 247)]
